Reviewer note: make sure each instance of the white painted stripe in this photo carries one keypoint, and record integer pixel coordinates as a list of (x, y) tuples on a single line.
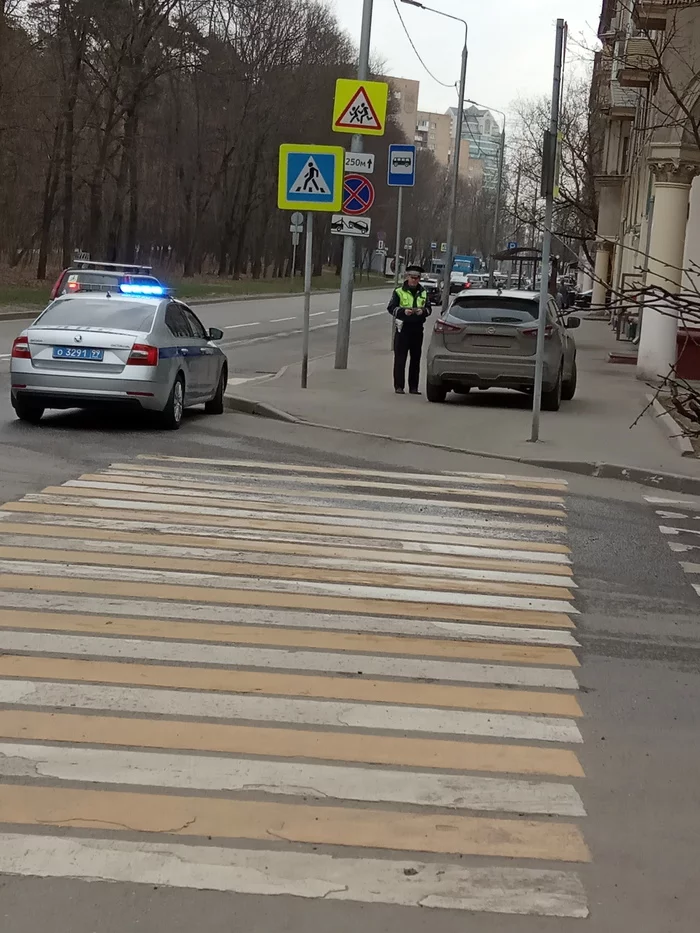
[(317, 313), (279, 320), (235, 326), (682, 547), (284, 659), (209, 531), (662, 514), (693, 504), (179, 703), (448, 477), (690, 568), (110, 546), (433, 532), (356, 518), (407, 882), (353, 591), (668, 530), (696, 587), (287, 778), (156, 609)]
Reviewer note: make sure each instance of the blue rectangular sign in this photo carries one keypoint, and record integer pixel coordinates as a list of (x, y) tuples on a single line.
[(401, 171)]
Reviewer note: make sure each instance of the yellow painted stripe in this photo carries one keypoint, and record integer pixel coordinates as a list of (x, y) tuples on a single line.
[(277, 600), (287, 638), (282, 507), (442, 754), (282, 572), (488, 479), (282, 547), (235, 485), (296, 823), (311, 528), (336, 687)]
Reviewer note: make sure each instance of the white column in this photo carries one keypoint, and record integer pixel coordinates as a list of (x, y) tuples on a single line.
[(600, 276), (657, 344)]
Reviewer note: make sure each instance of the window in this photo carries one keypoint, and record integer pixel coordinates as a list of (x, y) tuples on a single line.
[(176, 322), (108, 313), (196, 326), (494, 311)]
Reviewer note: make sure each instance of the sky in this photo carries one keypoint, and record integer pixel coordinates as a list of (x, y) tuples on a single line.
[(511, 45)]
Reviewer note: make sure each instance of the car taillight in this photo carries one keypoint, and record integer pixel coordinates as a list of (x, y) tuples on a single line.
[(143, 355), (532, 331), (20, 349), (442, 327), (73, 287)]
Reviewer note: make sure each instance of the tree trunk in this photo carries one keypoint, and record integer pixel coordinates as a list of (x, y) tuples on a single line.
[(48, 211)]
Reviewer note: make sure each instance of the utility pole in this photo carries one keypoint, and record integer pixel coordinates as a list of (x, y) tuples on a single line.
[(452, 216), (347, 269), (497, 212), (548, 179)]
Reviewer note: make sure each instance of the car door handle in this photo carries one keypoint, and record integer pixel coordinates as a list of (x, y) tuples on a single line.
[(207, 350), (184, 351)]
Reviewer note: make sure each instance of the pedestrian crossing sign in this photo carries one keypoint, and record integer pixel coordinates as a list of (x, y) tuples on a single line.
[(310, 177), (360, 107)]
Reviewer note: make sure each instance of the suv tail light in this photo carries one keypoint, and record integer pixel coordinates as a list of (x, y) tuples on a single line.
[(442, 327), (143, 355), (20, 349), (532, 331)]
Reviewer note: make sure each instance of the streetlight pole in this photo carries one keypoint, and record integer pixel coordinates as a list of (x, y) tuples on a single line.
[(347, 269), (452, 216), (499, 188)]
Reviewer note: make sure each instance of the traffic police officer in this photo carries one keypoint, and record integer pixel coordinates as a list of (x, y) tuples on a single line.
[(410, 307)]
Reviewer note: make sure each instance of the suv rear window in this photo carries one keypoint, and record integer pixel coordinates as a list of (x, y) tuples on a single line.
[(108, 313), (494, 311)]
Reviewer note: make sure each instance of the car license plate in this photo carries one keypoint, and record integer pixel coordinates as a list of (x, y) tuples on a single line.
[(78, 353)]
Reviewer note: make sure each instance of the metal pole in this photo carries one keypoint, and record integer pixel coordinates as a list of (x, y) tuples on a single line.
[(308, 266), (547, 239), (455, 175), (399, 211), (497, 214), (347, 269), (294, 257)]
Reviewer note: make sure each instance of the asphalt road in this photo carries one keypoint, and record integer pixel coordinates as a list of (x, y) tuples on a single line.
[(639, 679)]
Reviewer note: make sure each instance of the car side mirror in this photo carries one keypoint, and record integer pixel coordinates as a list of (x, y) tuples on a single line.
[(573, 322), (215, 333)]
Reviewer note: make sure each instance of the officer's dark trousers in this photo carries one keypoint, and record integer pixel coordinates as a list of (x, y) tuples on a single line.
[(407, 342)]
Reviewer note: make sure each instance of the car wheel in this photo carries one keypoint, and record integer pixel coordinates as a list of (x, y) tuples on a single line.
[(568, 389), (171, 416), (435, 391), (551, 398), (28, 412), (216, 405)]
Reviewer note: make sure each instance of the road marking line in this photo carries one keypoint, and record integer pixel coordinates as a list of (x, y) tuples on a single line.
[(442, 754), (215, 586), (221, 818), (271, 599), (317, 313), (690, 568), (498, 479), (276, 620), (232, 500), (287, 778), (296, 711), (269, 530), (146, 502), (279, 320), (278, 658), (400, 646), (407, 883), (666, 530), (359, 307), (402, 564), (234, 326), (219, 680), (232, 573)]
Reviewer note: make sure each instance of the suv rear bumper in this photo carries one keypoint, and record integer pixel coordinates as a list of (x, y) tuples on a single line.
[(484, 373)]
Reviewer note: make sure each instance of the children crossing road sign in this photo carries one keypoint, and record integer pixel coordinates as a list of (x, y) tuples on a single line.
[(310, 177), (360, 107)]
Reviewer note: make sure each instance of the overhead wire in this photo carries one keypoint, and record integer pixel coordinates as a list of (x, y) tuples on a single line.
[(417, 53)]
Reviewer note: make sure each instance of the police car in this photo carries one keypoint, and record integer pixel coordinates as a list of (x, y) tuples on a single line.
[(135, 347)]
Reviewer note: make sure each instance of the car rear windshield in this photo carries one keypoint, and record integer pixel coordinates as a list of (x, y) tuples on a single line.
[(91, 280), (108, 313), (495, 310)]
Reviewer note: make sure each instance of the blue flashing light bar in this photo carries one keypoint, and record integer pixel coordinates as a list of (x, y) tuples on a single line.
[(151, 291)]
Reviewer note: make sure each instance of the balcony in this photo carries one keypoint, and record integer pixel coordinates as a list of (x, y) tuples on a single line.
[(623, 101), (650, 14), (638, 63)]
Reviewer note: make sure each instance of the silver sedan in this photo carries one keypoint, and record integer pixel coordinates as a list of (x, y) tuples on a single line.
[(118, 351)]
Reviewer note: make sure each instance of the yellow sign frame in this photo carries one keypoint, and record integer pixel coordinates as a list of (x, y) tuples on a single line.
[(373, 94), (285, 203)]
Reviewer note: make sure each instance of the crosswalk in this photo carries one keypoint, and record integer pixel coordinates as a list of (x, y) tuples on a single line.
[(679, 520), (273, 678)]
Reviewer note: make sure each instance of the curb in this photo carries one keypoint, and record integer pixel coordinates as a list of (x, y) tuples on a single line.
[(674, 482), (671, 427)]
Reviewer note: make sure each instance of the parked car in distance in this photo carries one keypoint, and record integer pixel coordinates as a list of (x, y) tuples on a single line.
[(458, 282), (488, 338), (117, 350), (584, 299), (432, 286), (87, 275)]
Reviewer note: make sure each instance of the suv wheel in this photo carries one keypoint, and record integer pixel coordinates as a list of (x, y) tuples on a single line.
[(435, 391), (568, 389), (551, 398)]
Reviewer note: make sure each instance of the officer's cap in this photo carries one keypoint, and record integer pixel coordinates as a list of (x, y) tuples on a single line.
[(416, 270)]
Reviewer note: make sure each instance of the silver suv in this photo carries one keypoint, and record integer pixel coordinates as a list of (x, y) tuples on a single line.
[(488, 338)]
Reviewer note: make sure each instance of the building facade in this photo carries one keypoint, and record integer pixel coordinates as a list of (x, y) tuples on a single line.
[(647, 87), (433, 133), (404, 94), (482, 134)]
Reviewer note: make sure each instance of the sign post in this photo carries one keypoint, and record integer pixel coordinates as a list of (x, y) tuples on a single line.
[(311, 179), (296, 227)]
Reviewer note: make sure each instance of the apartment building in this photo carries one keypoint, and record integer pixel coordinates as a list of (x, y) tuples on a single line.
[(404, 94), (433, 133), (482, 135)]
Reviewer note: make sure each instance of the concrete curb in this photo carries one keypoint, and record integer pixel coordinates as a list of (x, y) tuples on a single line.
[(674, 482), (671, 427)]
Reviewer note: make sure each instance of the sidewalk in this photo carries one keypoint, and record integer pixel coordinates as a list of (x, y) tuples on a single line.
[(594, 428)]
